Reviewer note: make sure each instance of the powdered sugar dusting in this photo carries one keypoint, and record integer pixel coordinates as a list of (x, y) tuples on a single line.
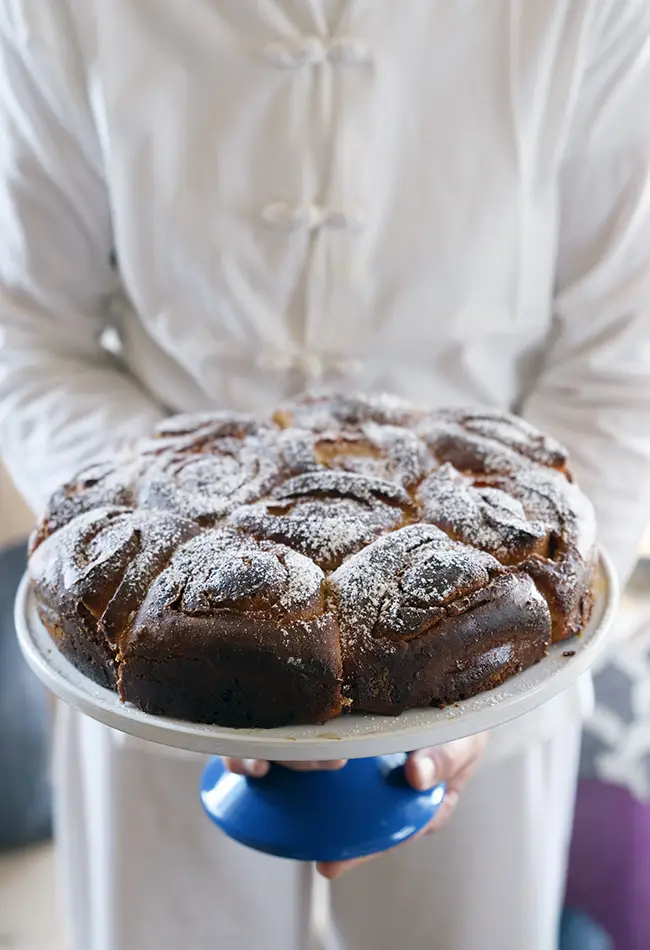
[(207, 484), (485, 517), (106, 559), (335, 411), (512, 433), (406, 580), (222, 569), (412, 514), (326, 514), (106, 483), (216, 424)]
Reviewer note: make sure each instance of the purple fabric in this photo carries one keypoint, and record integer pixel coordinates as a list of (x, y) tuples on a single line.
[(609, 866)]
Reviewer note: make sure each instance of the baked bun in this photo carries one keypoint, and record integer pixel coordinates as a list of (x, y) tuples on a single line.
[(349, 553)]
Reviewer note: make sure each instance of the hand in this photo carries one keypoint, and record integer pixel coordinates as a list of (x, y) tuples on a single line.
[(453, 763)]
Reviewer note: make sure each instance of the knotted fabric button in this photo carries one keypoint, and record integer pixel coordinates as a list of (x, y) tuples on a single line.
[(286, 217), (312, 366), (308, 364), (348, 51), (293, 54)]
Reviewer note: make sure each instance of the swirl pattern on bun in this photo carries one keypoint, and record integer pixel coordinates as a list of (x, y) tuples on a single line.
[(347, 553)]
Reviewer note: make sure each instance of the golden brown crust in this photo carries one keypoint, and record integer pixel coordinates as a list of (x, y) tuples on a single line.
[(91, 576), (351, 551), (235, 631), (415, 606)]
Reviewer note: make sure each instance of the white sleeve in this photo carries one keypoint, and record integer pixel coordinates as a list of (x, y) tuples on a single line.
[(63, 400), (593, 392)]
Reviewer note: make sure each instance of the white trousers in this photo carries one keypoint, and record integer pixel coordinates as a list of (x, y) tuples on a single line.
[(144, 869)]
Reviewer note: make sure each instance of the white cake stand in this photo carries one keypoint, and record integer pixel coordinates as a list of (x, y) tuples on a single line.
[(364, 808)]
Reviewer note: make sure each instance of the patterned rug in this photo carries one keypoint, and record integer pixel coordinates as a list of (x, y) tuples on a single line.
[(609, 873)]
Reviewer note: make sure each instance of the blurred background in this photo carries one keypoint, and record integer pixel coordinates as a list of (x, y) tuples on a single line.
[(15, 517), (28, 899)]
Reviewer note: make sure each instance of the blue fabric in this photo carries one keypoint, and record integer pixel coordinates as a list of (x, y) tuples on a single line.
[(25, 800), (578, 932)]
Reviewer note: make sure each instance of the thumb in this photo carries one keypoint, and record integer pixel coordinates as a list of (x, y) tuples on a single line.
[(428, 767)]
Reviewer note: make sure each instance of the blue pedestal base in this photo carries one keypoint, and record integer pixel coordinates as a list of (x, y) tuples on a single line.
[(364, 808)]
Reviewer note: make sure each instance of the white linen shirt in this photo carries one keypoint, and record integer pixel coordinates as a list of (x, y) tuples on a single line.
[(448, 199)]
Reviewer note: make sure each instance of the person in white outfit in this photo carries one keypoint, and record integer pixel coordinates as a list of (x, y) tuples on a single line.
[(219, 203)]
